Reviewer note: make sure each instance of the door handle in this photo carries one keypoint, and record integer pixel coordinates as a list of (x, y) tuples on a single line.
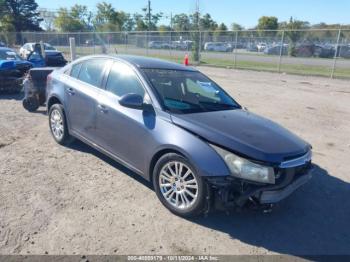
[(102, 108), (70, 91)]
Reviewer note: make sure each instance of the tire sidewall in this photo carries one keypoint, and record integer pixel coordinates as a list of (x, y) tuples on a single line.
[(199, 205), (66, 137)]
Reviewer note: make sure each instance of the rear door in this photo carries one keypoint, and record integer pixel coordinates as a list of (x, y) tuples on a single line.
[(81, 92)]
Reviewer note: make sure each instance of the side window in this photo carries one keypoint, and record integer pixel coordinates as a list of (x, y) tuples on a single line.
[(91, 71), (123, 80), (74, 72)]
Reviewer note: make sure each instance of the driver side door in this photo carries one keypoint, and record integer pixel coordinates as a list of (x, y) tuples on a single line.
[(123, 132)]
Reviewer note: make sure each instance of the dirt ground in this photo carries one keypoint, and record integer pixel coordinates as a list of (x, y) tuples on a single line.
[(73, 200)]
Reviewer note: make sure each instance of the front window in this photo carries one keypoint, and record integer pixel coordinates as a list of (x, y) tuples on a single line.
[(123, 80), (188, 92)]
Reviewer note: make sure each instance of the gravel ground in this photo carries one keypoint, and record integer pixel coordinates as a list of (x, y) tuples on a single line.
[(73, 200)]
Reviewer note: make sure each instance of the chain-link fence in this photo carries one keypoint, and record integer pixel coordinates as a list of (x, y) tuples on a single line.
[(307, 52)]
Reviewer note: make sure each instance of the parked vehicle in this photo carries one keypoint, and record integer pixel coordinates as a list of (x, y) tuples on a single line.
[(156, 44), (323, 51), (251, 47), (12, 70), (181, 45), (177, 128), (217, 47), (261, 47), (343, 51), (276, 50), (53, 57)]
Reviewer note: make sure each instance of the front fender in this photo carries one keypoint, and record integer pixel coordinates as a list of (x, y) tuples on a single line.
[(200, 154)]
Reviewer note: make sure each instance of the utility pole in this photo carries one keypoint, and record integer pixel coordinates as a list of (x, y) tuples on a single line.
[(149, 15)]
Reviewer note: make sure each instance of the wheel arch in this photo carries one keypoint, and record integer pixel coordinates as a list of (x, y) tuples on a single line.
[(157, 156), (53, 100)]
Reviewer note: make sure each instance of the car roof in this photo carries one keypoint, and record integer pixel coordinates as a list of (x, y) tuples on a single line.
[(141, 62), (152, 63)]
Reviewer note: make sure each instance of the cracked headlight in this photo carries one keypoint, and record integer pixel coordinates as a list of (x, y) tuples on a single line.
[(245, 169)]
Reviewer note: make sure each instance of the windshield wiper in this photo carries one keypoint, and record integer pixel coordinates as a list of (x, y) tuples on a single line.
[(219, 105)]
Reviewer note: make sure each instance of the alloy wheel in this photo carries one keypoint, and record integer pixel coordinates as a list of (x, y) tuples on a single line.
[(178, 185)]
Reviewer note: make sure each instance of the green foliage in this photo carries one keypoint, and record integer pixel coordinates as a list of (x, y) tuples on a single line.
[(108, 19), (19, 15), (207, 23), (293, 33), (267, 23), (150, 20), (236, 27), (181, 22), (74, 20)]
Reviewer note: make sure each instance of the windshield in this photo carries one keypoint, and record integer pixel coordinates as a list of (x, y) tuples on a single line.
[(49, 47), (9, 55), (188, 92)]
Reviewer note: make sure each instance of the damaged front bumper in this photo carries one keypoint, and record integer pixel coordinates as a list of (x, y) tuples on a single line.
[(231, 192)]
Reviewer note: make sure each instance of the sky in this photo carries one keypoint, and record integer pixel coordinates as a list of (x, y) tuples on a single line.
[(244, 12)]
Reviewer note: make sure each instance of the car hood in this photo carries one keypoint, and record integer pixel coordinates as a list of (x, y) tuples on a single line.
[(12, 64), (244, 133)]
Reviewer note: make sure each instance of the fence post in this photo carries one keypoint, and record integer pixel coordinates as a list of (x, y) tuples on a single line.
[(72, 48), (281, 52), (200, 48), (235, 51), (126, 42), (336, 54)]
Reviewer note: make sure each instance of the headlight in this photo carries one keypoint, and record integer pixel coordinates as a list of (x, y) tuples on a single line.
[(243, 168)]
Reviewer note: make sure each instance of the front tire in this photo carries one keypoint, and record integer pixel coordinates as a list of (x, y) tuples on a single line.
[(58, 125), (178, 186)]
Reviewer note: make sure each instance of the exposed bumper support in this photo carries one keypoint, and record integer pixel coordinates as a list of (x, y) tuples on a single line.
[(270, 197), (232, 193)]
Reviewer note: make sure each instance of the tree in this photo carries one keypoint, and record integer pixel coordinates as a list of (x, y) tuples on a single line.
[(181, 22), (140, 25), (74, 20), (152, 20), (20, 15), (48, 18), (108, 19), (293, 32), (220, 31), (207, 23), (236, 27), (267, 23)]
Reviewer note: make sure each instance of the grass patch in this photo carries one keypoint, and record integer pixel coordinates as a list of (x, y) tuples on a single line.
[(299, 69)]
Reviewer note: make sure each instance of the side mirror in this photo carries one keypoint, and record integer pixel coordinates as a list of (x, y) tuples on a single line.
[(132, 101)]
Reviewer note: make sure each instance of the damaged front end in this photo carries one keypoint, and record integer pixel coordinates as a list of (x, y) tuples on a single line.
[(230, 192), (12, 75)]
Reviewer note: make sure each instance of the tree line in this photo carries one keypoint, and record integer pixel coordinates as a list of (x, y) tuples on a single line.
[(24, 15)]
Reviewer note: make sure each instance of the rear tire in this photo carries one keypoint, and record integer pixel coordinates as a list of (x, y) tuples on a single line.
[(31, 104), (58, 125), (178, 185)]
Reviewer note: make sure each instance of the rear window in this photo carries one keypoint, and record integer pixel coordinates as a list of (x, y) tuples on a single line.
[(75, 70)]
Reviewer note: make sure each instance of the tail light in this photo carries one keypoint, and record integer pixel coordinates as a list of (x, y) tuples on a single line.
[(48, 79)]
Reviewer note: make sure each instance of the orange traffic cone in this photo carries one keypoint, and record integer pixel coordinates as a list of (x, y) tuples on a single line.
[(186, 60)]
